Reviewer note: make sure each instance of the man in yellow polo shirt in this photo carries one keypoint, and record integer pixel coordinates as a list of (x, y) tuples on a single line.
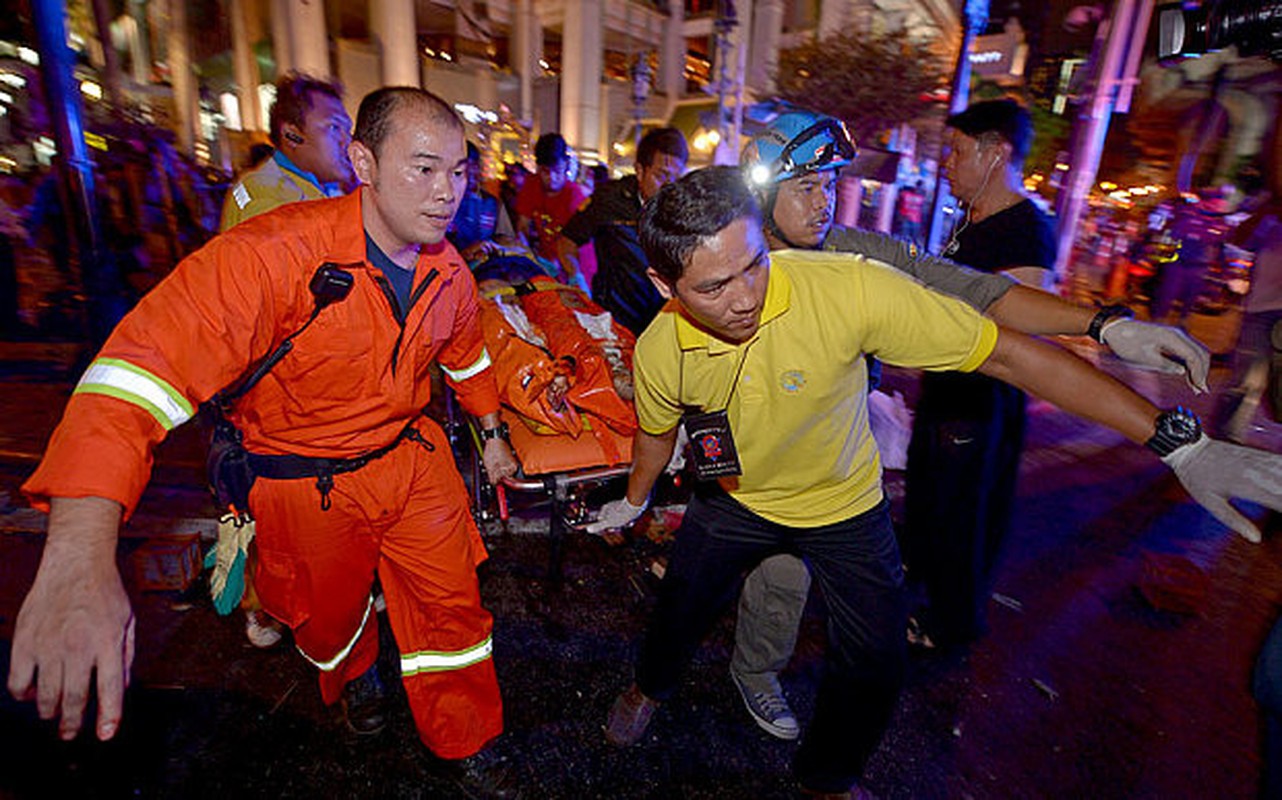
[(762, 357)]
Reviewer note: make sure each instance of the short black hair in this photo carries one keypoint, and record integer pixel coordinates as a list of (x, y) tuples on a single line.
[(374, 119), (295, 96), (549, 149), (691, 210), (1006, 118), (669, 141)]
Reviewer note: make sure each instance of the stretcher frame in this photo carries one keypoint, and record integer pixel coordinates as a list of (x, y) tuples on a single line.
[(562, 488)]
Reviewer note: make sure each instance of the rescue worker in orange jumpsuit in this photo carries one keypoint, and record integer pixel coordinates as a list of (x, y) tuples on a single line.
[(329, 515)]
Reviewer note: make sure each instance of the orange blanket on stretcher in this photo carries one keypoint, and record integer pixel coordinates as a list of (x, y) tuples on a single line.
[(561, 363)]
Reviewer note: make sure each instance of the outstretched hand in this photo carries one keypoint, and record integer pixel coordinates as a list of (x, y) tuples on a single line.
[(1213, 471), (1158, 347), (76, 622)]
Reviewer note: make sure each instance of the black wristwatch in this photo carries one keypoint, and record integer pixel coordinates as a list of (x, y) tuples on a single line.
[(1175, 428), (1096, 328), (500, 431)]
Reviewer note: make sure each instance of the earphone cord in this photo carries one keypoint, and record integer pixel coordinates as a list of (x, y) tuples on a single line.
[(953, 243)]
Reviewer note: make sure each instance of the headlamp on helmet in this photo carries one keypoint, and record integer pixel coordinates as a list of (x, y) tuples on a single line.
[(796, 144)]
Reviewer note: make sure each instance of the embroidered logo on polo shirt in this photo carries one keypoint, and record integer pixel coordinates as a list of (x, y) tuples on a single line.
[(793, 381)]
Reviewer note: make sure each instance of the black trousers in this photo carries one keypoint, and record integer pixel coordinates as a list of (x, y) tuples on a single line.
[(963, 462), (857, 566)]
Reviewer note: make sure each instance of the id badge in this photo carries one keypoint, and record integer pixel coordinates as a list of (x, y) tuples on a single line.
[(712, 445)]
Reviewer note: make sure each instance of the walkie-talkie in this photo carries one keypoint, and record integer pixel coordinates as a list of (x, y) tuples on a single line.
[(330, 284)]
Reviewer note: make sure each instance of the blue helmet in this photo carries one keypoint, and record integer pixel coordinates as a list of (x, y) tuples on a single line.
[(797, 143)]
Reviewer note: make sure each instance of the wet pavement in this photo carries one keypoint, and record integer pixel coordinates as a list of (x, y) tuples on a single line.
[(1082, 689)]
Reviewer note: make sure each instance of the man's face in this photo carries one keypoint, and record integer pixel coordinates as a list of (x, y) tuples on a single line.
[(804, 208), (969, 165), (723, 287), (664, 170), (418, 178), (326, 133), (553, 175)]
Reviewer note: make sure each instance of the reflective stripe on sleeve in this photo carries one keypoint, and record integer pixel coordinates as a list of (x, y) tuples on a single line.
[(133, 384), (328, 666), (433, 661), (481, 364)]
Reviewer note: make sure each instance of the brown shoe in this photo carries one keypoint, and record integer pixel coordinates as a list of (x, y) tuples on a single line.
[(629, 717)]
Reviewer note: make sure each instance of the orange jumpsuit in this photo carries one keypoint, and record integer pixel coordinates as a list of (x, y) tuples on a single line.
[(353, 380)]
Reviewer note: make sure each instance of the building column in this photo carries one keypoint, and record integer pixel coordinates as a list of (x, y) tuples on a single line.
[(308, 40), (245, 67), (527, 49), (181, 78), (140, 43), (833, 16), (672, 56), (282, 47), (395, 30), (767, 25), (581, 69), (849, 195)]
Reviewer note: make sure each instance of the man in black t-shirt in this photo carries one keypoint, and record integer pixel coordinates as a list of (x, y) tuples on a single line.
[(609, 221), (969, 430)]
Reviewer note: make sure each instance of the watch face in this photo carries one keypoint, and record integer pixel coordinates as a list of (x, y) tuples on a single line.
[(1182, 425)]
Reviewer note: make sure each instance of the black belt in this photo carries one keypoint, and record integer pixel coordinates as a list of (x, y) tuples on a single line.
[(288, 467)]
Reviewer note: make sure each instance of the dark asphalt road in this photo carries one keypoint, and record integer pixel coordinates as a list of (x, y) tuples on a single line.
[(1081, 690)]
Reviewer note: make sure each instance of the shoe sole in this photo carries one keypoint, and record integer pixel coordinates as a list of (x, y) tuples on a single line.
[(787, 734)]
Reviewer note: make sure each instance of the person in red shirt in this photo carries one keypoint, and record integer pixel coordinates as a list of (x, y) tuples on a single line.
[(911, 205), (545, 205)]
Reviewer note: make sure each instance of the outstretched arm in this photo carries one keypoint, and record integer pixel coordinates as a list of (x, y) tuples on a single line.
[(76, 621), (1029, 310), (1212, 471), (1070, 383)]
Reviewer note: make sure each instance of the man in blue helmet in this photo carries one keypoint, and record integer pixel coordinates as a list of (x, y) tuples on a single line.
[(793, 166)]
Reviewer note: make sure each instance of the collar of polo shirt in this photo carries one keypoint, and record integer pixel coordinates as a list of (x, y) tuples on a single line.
[(778, 299)]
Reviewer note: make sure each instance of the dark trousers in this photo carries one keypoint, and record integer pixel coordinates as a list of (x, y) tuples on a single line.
[(857, 567), (963, 462)]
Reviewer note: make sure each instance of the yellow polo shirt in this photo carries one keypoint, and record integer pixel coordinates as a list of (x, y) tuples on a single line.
[(799, 409)]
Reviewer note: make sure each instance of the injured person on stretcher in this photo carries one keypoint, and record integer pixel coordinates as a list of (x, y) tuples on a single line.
[(562, 364)]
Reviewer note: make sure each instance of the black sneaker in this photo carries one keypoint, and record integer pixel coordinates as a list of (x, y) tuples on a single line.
[(365, 703), (484, 776)]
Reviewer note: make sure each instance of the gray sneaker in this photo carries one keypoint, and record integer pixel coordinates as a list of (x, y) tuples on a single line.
[(769, 709)]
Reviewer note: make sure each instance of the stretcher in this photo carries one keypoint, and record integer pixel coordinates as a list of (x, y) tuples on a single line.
[(564, 371)]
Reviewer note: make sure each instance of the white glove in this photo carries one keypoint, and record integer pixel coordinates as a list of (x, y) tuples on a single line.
[(614, 515), (1213, 471), (1158, 347)]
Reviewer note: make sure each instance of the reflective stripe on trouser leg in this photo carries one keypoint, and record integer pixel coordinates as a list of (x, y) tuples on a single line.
[(428, 571), (315, 571)]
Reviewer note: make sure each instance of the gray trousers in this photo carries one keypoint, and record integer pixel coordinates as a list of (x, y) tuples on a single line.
[(770, 608)]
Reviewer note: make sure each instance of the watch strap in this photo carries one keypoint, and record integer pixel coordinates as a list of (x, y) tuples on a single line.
[(1175, 428), (1096, 329), (499, 431)]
